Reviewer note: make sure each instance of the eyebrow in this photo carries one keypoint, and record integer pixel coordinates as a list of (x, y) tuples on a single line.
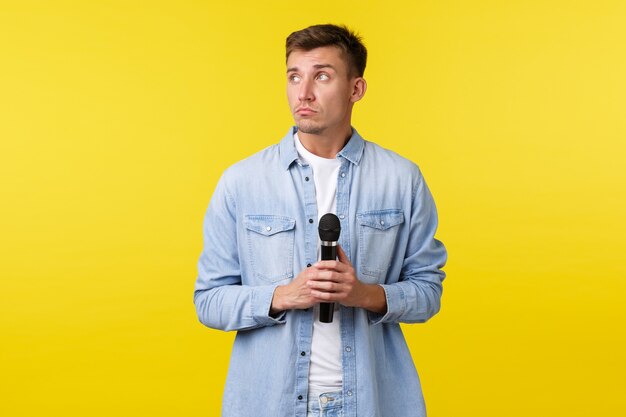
[(316, 66)]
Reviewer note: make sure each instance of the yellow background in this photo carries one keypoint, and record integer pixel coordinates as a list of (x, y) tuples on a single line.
[(117, 117)]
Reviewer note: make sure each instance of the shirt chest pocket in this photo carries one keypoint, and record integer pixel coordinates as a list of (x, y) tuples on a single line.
[(270, 246), (378, 233)]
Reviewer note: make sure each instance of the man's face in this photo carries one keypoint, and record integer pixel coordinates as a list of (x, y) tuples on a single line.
[(319, 90)]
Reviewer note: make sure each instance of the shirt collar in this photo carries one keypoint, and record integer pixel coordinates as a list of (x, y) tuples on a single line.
[(353, 151)]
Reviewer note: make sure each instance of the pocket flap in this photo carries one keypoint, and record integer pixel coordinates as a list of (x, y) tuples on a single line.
[(269, 225), (381, 219)]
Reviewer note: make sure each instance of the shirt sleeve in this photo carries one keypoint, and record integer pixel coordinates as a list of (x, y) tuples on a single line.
[(221, 301), (416, 296)]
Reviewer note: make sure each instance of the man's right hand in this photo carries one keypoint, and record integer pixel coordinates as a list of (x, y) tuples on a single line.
[(296, 294)]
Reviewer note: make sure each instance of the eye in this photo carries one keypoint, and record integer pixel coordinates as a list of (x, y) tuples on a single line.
[(294, 78), (323, 77)]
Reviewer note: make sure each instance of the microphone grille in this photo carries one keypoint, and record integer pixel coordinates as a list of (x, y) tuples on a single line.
[(329, 228)]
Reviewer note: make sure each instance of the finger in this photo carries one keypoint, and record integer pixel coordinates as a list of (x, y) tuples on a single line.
[(325, 275), (325, 286), (331, 265), (323, 296), (341, 255)]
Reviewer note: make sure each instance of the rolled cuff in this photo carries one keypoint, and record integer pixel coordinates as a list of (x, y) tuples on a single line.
[(396, 305), (261, 305)]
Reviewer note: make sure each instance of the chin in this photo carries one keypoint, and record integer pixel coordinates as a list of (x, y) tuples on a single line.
[(310, 128)]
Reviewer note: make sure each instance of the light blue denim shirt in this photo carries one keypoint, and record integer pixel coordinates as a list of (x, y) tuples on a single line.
[(260, 231)]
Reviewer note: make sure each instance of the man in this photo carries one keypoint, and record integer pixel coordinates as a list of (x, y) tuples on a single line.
[(259, 272)]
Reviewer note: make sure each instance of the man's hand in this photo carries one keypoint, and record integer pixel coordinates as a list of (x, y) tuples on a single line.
[(328, 282), (295, 295)]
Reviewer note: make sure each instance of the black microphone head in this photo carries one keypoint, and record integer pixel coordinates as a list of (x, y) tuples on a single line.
[(329, 228)]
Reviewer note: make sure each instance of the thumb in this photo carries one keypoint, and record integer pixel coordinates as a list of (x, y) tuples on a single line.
[(342, 257)]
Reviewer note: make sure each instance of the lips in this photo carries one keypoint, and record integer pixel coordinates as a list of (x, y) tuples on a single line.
[(305, 111)]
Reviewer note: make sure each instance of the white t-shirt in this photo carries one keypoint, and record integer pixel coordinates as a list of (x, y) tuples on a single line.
[(326, 370)]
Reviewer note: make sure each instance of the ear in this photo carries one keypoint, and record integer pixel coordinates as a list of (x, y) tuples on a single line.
[(359, 86)]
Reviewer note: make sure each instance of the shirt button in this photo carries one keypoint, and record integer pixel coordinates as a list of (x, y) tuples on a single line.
[(341, 216), (310, 220), (349, 393), (348, 349), (306, 178), (343, 175), (382, 222), (268, 228), (299, 397), (302, 353)]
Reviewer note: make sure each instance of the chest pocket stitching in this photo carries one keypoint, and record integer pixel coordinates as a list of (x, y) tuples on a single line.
[(381, 219), (276, 224)]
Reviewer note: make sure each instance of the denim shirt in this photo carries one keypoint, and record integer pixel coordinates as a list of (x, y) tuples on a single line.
[(260, 231)]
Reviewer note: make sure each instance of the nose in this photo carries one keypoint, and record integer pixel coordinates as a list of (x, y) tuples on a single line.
[(306, 91)]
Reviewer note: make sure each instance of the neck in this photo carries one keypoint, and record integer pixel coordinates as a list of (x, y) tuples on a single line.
[(325, 144)]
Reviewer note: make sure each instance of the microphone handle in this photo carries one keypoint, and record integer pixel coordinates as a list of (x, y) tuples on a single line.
[(329, 253)]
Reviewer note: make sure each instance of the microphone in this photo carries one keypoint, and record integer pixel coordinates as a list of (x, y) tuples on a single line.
[(329, 229)]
